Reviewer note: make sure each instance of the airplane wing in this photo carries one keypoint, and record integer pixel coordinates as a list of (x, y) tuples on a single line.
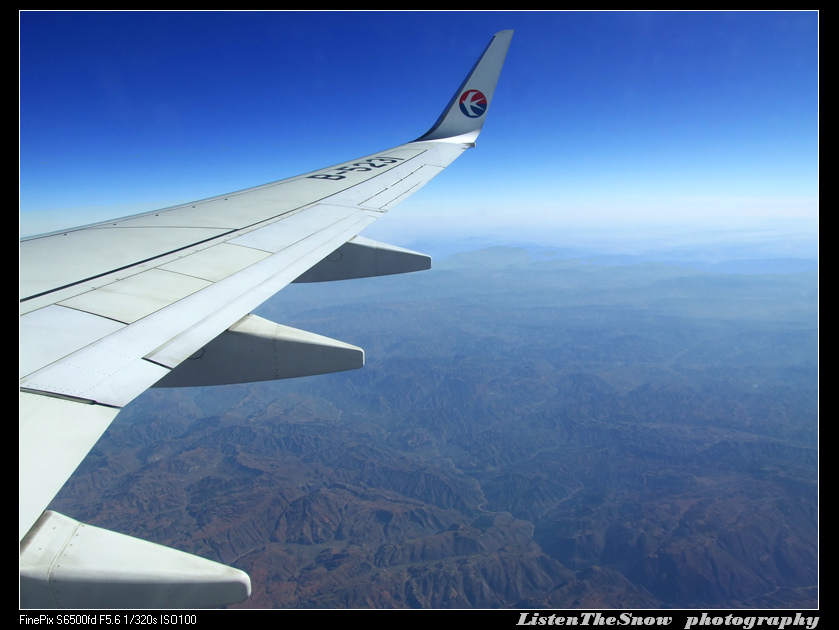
[(164, 299)]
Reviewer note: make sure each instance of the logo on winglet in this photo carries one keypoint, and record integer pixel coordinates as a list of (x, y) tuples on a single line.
[(473, 103)]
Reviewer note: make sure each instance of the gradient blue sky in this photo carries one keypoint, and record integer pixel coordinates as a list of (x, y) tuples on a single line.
[(612, 125)]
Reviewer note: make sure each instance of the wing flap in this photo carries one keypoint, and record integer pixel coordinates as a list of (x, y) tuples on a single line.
[(54, 435), (52, 333)]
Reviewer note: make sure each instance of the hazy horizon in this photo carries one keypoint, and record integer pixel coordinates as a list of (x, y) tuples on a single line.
[(604, 125)]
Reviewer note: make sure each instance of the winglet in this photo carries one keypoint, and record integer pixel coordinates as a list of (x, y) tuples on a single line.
[(465, 114)]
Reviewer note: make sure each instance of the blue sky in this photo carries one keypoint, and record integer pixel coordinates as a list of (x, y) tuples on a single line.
[(610, 126)]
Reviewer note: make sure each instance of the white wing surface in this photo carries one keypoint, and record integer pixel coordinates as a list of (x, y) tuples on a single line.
[(164, 299)]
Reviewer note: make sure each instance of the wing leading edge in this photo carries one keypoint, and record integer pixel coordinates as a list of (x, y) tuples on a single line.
[(157, 306)]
